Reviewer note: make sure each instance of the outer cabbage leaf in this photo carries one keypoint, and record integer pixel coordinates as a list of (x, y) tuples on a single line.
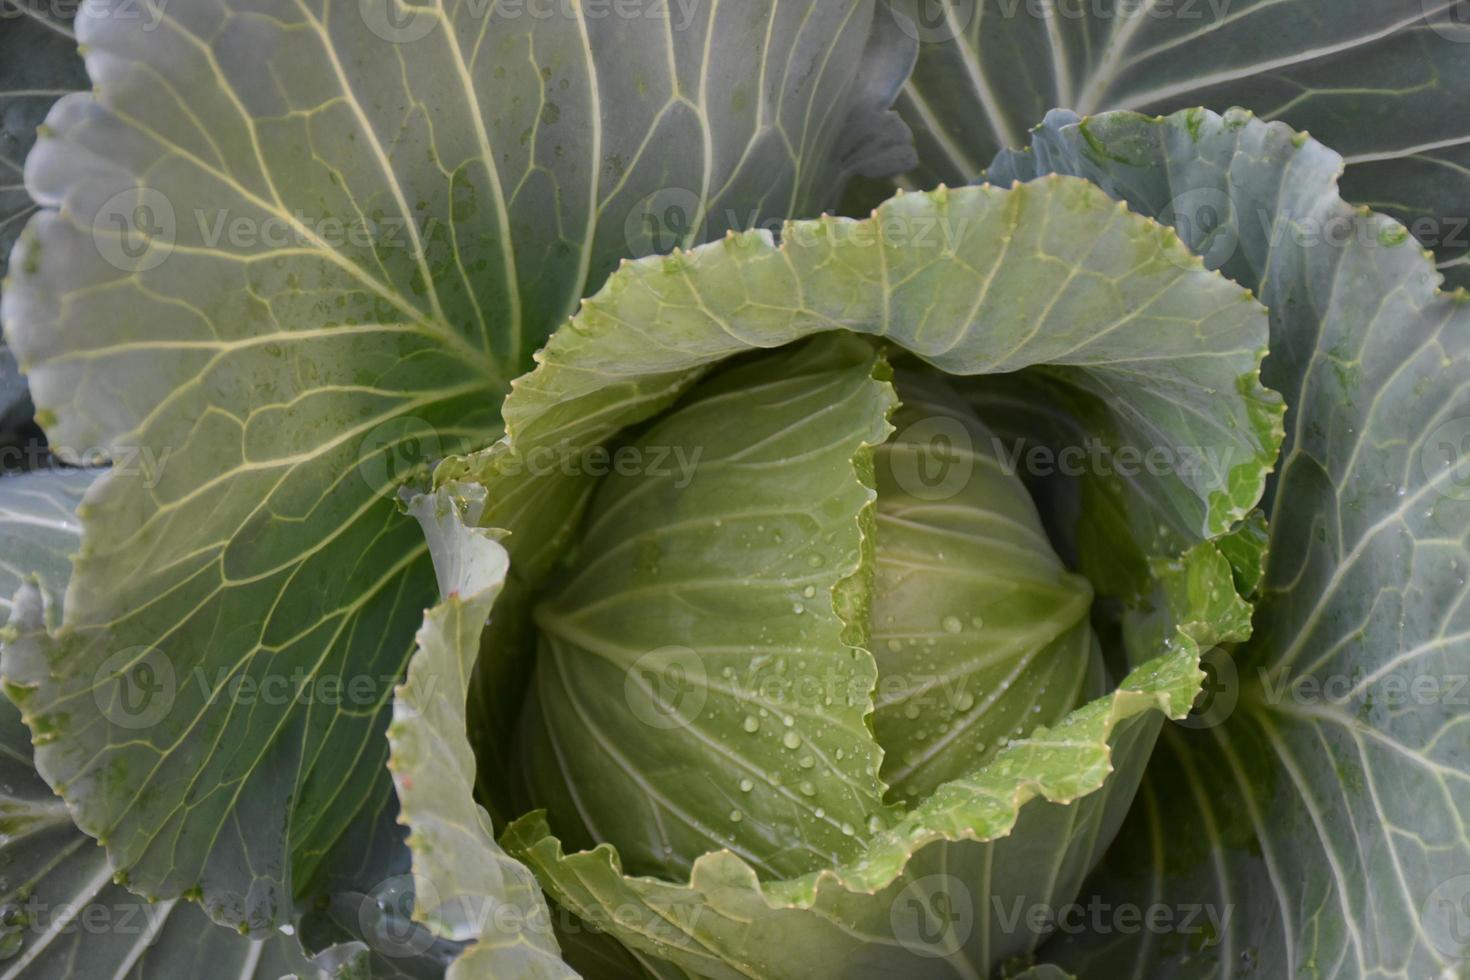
[(1323, 798), (1379, 80), (61, 914), (38, 64), (39, 524), (466, 887), (1116, 307), (302, 247)]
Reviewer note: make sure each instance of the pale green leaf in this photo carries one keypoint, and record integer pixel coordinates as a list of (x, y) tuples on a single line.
[(1325, 800), (1381, 81), (1104, 303), (38, 64), (62, 917), (466, 887), (302, 248), (41, 531), (702, 682), (979, 630), (918, 900)]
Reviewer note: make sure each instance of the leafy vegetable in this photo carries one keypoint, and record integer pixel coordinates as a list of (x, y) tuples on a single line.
[(301, 328), (534, 543), (61, 914), (1378, 81), (38, 64), (730, 776), (1344, 715)]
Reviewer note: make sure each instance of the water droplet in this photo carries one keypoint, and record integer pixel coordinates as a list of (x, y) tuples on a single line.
[(736, 816), (809, 591), (911, 710), (819, 813), (952, 624), (746, 785), (815, 561), (977, 622), (807, 762), (791, 740), (966, 701), (875, 824), (847, 829), (751, 724), (798, 608), (807, 789), (894, 646)]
